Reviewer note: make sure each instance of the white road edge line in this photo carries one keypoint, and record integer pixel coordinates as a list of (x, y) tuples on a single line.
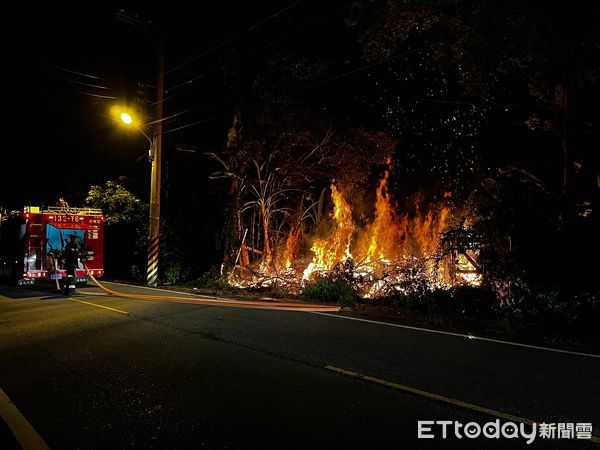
[(408, 327), (468, 336), (20, 427)]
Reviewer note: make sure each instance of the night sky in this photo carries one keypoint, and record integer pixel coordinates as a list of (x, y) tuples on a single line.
[(324, 64), (55, 126), (58, 140)]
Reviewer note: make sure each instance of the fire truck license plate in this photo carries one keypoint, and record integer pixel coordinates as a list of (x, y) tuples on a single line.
[(56, 276)]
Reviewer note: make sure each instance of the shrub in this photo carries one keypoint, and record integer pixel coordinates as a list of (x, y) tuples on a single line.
[(277, 291), (460, 300), (474, 301), (329, 290), (212, 279), (577, 311), (172, 273), (585, 309)]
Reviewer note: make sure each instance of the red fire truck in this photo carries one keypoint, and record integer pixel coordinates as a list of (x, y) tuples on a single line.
[(31, 242)]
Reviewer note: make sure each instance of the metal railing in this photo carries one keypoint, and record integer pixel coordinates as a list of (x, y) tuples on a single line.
[(73, 211)]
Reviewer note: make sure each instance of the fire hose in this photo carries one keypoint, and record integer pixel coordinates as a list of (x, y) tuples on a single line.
[(280, 306)]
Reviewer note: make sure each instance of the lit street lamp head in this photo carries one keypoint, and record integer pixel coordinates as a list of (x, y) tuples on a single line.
[(123, 115), (126, 118)]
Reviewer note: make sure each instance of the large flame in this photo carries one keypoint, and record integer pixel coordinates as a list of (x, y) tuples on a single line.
[(329, 251), (291, 246), (385, 253), (384, 234), (384, 247)]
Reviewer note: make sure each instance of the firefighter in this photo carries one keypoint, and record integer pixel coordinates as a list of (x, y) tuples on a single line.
[(71, 257), (62, 203)]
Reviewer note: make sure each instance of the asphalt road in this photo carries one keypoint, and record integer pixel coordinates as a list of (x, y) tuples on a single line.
[(157, 375)]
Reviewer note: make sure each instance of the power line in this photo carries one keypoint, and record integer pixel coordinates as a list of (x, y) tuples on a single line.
[(96, 95), (83, 84), (190, 81), (177, 114), (253, 52), (62, 100), (168, 97), (190, 124), (77, 73), (357, 70), (235, 36), (272, 43)]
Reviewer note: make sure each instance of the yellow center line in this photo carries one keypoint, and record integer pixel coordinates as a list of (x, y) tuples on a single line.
[(20, 427), (440, 398), (99, 306)]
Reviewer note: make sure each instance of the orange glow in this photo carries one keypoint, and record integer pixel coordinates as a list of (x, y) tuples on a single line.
[(291, 247), (383, 235), (247, 304), (390, 241), (124, 115), (335, 247), (393, 248)]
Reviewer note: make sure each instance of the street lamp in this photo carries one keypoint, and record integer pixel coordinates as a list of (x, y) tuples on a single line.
[(156, 38), (128, 119), (154, 154)]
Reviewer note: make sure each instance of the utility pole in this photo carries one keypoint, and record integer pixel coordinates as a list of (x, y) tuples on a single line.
[(155, 177), (146, 28)]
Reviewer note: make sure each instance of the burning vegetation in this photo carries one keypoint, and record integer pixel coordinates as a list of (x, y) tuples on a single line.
[(390, 251)]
